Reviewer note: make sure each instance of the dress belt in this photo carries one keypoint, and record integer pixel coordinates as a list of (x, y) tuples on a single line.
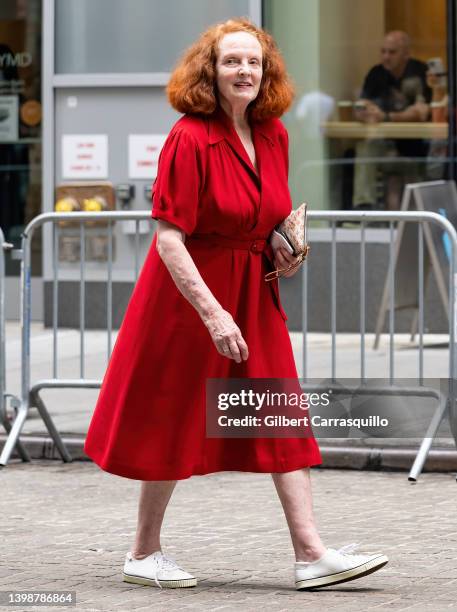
[(260, 245), (256, 246)]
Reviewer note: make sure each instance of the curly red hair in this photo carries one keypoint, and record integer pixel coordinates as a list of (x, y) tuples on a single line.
[(192, 86)]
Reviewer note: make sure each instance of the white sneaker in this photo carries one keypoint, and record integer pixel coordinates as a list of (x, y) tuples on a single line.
[(336, 566), (156, 569)]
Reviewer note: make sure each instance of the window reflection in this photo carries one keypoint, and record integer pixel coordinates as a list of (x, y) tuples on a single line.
[(372, 99), (396, 91)]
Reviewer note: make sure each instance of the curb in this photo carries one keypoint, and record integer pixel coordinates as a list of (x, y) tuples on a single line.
[(334, 456)]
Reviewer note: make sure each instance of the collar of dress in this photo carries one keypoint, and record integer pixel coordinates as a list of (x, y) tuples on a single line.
[(221, 126)]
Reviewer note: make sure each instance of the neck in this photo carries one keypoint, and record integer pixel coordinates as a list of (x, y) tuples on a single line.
[(238, 114), (399, 71)]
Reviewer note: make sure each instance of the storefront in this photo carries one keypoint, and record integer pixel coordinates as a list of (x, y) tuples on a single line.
[(20, 128), (80, 73)]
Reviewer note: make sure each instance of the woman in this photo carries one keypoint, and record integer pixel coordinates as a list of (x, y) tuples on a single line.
[(201, 308)]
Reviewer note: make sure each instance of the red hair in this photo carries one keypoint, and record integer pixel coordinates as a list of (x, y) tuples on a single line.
[(192, 85)]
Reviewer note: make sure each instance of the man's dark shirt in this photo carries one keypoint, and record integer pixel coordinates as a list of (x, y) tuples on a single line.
[(392, 94)]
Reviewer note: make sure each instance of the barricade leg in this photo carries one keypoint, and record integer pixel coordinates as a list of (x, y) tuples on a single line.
[(35, 400), (24, 455), (426, 444), (13, 436), (453, 412), (453, 418)]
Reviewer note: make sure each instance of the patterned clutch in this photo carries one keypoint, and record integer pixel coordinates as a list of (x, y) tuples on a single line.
[(292, 235)]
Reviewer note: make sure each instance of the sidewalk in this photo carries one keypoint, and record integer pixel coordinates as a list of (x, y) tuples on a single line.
[(69, 526), (72, 409)]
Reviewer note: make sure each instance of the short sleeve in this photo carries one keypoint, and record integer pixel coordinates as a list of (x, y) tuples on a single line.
[(176, 190)]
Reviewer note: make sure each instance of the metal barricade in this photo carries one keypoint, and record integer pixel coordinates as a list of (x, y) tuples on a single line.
[(4, 396), (30, 393), (446, 402)]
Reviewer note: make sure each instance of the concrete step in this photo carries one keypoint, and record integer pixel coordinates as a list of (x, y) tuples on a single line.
[(345, 454)]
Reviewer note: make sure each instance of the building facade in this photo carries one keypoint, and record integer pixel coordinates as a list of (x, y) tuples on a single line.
[(82, 101)]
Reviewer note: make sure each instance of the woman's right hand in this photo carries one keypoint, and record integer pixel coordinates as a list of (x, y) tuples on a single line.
[(226, 336)]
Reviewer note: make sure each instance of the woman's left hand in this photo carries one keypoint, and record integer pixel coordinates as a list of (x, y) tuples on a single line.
[(283, 259)]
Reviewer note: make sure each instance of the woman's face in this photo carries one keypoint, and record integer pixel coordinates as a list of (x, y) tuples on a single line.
[(239, 68)]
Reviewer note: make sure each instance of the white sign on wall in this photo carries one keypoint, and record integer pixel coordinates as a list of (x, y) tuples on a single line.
[(85, 156), (144, 150), (9, 118)]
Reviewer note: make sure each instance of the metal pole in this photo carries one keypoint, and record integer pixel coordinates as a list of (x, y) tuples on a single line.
[(333, 300), (3, 394), (362, 300), (19, 421), (2, 325), (305, 319)]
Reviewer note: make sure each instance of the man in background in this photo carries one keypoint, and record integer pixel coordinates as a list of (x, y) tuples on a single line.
[(394, 90)]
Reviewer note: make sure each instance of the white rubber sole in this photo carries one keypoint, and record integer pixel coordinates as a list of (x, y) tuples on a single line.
[(352, 574), (166, 584)]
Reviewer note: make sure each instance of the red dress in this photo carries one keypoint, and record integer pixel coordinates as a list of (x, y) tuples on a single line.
[(149, 421)]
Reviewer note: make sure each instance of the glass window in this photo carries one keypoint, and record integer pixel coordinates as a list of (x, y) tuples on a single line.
[(371, 108), (119, 36), (20, 120)]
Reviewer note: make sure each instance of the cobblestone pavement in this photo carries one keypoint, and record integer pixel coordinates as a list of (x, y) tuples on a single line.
[(67, 527)]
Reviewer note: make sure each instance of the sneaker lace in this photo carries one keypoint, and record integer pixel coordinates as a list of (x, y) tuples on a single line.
[(347, 550), (163, 562), (169, 563)]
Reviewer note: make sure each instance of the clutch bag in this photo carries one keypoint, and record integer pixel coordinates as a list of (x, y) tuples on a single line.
[(291, 234)]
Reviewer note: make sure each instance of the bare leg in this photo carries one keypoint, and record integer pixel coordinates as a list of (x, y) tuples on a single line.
[(294, 491), (154, 498)]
